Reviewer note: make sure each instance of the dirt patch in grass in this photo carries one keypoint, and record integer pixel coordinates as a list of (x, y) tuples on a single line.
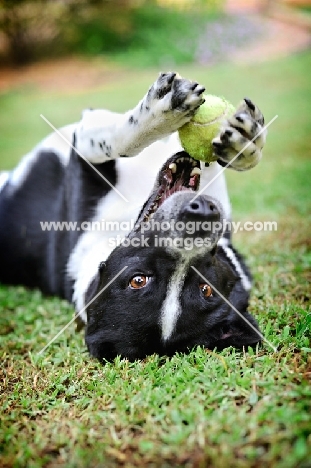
[(69, 74)]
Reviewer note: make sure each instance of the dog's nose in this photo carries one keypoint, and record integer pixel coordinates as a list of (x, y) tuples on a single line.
[(201, 207)]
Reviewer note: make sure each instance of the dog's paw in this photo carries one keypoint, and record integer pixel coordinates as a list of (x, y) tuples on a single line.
[(241, 138), (162, 86), (186, 96), (173, 99)]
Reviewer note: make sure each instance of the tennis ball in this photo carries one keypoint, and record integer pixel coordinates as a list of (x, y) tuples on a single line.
[(196, 136)]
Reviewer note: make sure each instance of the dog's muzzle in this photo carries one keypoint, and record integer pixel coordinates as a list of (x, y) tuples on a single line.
[(200, 209)]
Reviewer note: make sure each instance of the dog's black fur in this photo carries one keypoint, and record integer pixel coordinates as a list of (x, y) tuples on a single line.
[(51, 192)]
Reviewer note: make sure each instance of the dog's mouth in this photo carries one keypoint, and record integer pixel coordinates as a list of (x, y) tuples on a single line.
[(181, 173)]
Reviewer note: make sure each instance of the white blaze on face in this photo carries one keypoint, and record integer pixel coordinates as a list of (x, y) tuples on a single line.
[(171, 308)]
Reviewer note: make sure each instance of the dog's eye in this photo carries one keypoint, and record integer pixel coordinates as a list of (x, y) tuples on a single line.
[(138, 281), (206, 289)]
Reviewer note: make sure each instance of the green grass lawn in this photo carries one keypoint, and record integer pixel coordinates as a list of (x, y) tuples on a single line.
[(206, 409)]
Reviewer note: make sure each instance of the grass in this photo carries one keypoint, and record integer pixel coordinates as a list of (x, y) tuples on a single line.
[(206, 409)]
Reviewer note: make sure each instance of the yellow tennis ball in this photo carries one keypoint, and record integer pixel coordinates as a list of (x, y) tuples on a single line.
[(196, 136)]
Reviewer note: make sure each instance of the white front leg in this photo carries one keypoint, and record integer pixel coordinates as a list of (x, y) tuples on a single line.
[(170, 103)]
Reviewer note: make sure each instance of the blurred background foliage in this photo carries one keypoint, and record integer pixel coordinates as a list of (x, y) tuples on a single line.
[(145, 30)]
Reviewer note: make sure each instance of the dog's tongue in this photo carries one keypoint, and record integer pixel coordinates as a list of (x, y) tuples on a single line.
[(168, 189), (193, 181)]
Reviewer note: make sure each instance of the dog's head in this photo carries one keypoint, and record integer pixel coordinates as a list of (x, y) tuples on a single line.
[(170, 294)]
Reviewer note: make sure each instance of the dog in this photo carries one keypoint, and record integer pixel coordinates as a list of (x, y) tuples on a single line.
[(163, 288)]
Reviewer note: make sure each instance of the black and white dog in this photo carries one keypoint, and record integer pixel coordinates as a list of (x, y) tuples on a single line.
[(159, 303)]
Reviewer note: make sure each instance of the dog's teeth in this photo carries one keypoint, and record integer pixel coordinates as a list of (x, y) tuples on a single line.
[(173, 167), (194, 163), (195, 170), (180, 160)]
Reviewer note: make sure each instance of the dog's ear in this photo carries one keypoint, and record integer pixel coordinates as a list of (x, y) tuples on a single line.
[(239, 328), (238, 331), (93, 286)]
